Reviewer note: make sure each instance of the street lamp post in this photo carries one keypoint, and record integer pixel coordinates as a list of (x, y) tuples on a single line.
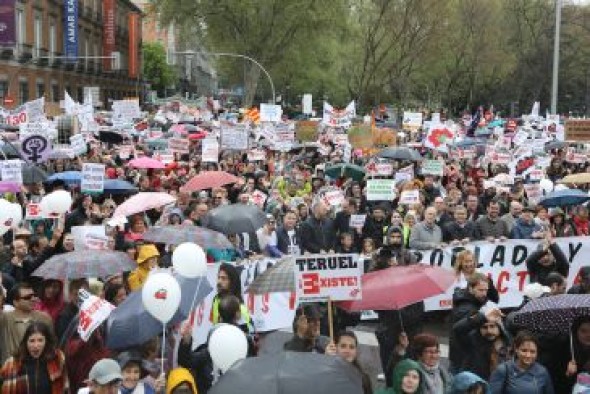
[(272, 85), (554, 84)]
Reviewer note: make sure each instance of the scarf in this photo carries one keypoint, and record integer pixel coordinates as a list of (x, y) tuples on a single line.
[(433, 379)]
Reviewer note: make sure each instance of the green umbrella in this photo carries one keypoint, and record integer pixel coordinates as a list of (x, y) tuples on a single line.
[(346, 170)]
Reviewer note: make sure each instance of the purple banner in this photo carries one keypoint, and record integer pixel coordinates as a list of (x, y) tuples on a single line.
[(7, 23)]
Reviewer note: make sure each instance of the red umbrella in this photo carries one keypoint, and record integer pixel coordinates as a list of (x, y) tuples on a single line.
[(397, 287), (209, 180)]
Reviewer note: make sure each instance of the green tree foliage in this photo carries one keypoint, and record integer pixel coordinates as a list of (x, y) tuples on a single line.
[(155, 68)]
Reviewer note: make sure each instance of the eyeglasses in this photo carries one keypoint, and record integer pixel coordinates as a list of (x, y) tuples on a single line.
[(27, 297), (432, 351)]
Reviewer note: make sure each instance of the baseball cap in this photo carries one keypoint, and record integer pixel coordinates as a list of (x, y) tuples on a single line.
[(105, 371)]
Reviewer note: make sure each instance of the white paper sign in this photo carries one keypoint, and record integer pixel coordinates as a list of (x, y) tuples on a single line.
[(410, 197), (357, 221), (92, 178), (270, 113), (307, 104), (234, 138), (93, 312), (380, 189), (179, 145), (12, 171), (323, 277), (210, 152), (78, 144)]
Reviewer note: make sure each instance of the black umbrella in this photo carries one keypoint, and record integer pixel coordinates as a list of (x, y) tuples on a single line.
[(290, 373), (235, 219), (554, 314), (400, 153), (33, 174), (111, 137)]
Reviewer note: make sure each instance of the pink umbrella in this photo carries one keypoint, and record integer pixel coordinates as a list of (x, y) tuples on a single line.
[(146, 162), (209, 180), (142, 202), (397, 287)]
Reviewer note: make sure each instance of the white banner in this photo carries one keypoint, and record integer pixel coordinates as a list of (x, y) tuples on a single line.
[(210, 150), (339, 118), (322, 277), (380, 189), (92, 177), (234, 137)]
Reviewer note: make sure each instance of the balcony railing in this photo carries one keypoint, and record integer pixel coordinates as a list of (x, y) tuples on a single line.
[(25, 52)]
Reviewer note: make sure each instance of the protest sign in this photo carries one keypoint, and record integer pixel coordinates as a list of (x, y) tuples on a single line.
[(577, 130), (380, 190), (333, 198), (258, 198), (33, 211), (576, 158), (520, 137), (536, 174), (179, 145), (412, 120), (92, 178), (328, 277), (90, 238), (433, 167), (36, 148), (270, 113), (234, 137), (306, 104), (78, 144), (283, 139), (256, 155), (380, 169), (504, 263), (16, 117), (357, 221), (339, 118), (210, 150), (410, 197), (269, 312), (93, 312), (534, 192), (501, 158), (126, 110), (125, 151), (12, 171), (306, 130)]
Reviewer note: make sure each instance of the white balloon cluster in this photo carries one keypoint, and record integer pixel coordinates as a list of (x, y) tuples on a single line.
[(57, 202), (11, 214)]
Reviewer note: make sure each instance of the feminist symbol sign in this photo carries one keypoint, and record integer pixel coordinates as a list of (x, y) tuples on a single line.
[(36, 148)]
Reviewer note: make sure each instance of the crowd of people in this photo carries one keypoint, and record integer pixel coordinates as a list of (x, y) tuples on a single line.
[(41, 351)]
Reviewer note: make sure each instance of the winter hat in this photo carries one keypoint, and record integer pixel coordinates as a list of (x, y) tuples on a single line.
[(146, 252)]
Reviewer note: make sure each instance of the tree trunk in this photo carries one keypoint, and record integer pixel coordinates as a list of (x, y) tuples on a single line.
[(251, 83)]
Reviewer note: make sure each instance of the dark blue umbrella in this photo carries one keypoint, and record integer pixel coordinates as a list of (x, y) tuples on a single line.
[(131, 324), (468, 141), (554, 314), (564, 198), (119, 186), (70, 178)]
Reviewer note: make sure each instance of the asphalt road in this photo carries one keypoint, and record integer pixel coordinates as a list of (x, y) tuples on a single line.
[(369, 352)]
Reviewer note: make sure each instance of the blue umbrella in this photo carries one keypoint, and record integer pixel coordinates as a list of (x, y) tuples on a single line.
[(70, 178), (564, 198), (119, 186), (131, 324)]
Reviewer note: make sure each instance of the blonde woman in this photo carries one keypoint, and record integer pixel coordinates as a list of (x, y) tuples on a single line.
[(465, 267), (409, 222)]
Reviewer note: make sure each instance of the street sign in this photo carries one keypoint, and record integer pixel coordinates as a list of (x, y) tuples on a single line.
[(8, 100)]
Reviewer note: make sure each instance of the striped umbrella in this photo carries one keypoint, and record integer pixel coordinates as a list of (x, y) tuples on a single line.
[(85, 264), (174, 235)]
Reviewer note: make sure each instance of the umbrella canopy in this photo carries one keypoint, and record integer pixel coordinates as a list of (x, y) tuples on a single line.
[(577, 179), (468, 141), (33, 174), (131, 324), (110, 136), (555, 145), (209, 180), (142, 202), (564, 198), (85, 264), (9, 187), (70, 178), (146, 162), (235, 219), (346, 170), (397, 287), (174, 235), (277, 279), (553, 315), (399, 153), (118, 186), (290, 373)]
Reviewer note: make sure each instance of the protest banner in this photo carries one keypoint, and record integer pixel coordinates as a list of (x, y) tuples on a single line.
[(505, 264), (412, 120), (410, 197), (92, 178), (179, 145), (357, 221), (93, 312), (12, 171), (270, 113), (380, 189), (210, 150), (78, 144), (269, 312), (306, 130), (256, 155), (328, 277), (339, 118), (234, 137), (433, 167), (577, 130)]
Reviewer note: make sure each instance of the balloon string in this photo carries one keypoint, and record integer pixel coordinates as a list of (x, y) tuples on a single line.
[(163, 347), (196, 295)]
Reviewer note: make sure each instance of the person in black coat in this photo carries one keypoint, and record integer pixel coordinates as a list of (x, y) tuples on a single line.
[(288, 235), (374, 226), (546, 259), (459, 230), (317, 232), (466, 303)]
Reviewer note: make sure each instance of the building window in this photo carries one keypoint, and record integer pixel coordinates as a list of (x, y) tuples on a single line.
[(80, 94), (55, 96), (3, 89), (40, 89), (38, 31), (23, 92), (21, 26), (52, 37)]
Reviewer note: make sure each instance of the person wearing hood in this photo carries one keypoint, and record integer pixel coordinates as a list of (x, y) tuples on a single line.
[(406, 379), (147, 260), (469, 383), (526, 227), (484, 342), (175, 217), (51, 300), (132, 372), (180, 381), (546, 259)]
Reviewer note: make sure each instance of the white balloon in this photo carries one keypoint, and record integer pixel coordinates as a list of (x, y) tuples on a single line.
[(16, 213), (10, 215), (189, 260), (160, 295), (546, 185), (44, 207), (59, 201), (227, 345)]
